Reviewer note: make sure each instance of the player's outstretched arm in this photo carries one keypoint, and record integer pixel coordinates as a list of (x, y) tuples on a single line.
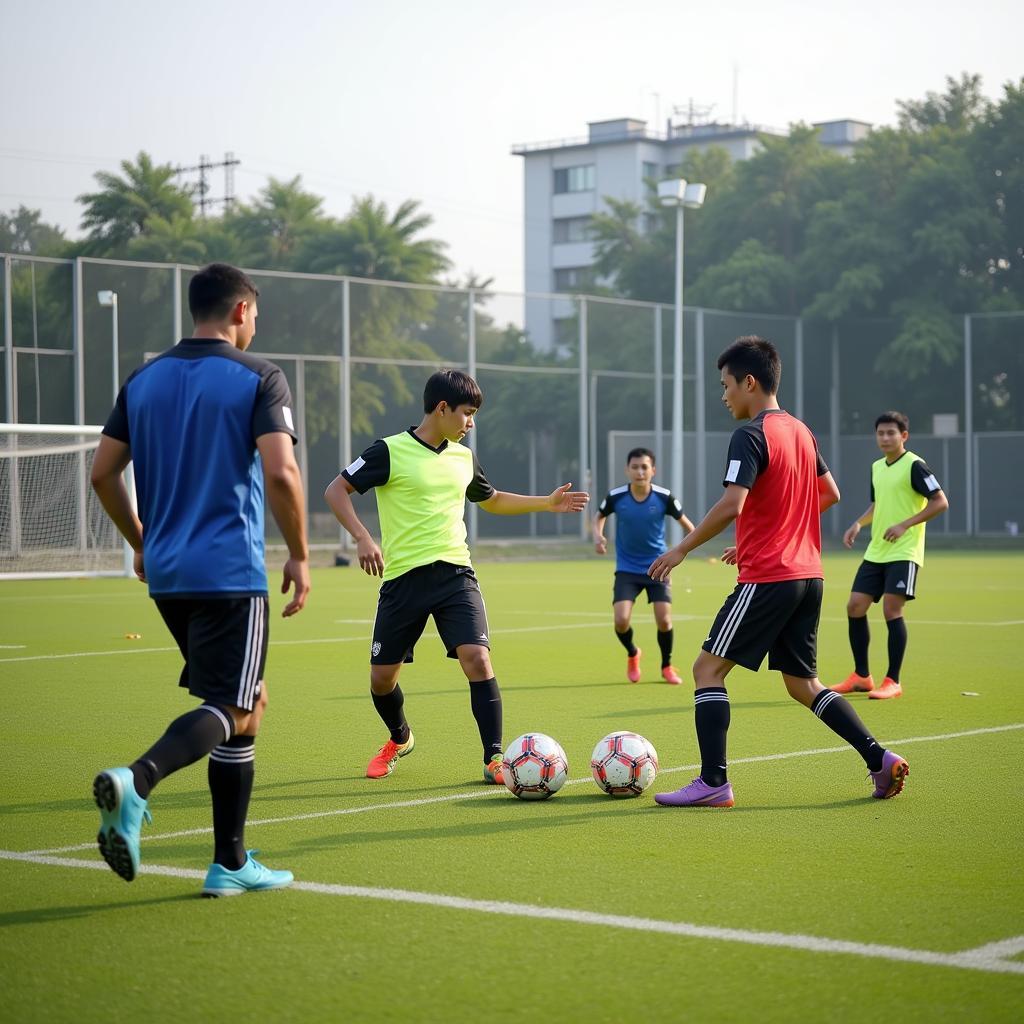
[(720, 515), (111, 460), (561, 499), (287, 502), (854, 528), (339, 497)]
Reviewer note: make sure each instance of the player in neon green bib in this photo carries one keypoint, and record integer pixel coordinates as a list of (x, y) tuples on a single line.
[(904, 496), (423, 477)]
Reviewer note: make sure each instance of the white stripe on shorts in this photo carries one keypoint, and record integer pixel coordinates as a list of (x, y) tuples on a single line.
[(732, 622), (253, 653), (911, 578)]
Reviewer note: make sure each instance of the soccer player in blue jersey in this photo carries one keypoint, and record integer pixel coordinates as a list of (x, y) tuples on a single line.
[(641, 507), (207, 428)]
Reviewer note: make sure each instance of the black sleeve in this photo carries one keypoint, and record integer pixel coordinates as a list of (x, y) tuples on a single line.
[(872, 491), (117, 422), (272, 412), (371, 469), (607, 506), (673, 507), (479, 488), (748, 456), (922, 479), (822, 464)]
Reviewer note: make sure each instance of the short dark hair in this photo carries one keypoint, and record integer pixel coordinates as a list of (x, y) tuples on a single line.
[(756, 356), (900, 419), (214, 291), (451, 386), (640, 453)]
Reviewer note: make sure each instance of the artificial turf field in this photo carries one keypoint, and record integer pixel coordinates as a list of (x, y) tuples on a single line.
[(428, 896)]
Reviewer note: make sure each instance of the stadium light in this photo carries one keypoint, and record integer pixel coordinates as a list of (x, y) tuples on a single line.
[(109, 298), (682, 195)]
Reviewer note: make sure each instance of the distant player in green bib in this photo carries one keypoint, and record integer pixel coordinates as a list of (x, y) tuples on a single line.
[(423, 477), (904, 496)]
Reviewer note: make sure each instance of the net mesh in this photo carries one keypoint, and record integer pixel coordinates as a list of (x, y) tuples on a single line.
[(50, 518)]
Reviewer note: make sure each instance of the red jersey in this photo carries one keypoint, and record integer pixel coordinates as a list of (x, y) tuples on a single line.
[(778, 533)]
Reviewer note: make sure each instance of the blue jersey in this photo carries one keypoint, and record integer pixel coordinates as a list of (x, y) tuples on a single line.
[(640, 528), (191, 417)]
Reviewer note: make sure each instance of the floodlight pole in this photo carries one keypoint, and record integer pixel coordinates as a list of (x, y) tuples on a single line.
[(680, 194)]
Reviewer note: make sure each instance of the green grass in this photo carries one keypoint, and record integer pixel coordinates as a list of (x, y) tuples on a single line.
[(804, 852)]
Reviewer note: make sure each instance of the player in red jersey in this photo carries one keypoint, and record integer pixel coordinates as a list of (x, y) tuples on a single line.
[(776, 487)]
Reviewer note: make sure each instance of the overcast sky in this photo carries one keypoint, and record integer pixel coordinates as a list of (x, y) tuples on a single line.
[(410, 100)]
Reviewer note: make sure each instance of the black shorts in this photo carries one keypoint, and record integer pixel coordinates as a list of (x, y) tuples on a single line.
[(878, 578), (449, 592), (777, 619), (630, 585), (224, 643)]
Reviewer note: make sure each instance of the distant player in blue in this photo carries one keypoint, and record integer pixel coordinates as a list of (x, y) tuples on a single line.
[(639, 539), (209, 430)]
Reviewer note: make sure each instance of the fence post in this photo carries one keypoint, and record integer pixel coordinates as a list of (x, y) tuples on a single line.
[(701, 414), (176, 318), (834, 422), (10, 409), (584, 454), (78, 341), (799, 410), (474, 521), (345, 392), (659, 388), (969, 464)]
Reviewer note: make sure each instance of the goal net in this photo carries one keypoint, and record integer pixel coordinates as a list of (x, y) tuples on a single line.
[(51, 522)]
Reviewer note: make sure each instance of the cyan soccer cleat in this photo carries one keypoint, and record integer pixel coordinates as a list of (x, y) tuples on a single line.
[(122, 811), (252, 876)]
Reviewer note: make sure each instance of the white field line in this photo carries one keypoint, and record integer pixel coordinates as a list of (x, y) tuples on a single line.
[(986, 958), (486, 793)]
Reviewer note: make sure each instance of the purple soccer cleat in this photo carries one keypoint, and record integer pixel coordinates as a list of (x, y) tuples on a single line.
[(698, 794), (889, 778)]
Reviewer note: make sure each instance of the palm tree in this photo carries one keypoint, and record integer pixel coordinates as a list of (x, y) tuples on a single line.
[(273, 229), (120, 210)]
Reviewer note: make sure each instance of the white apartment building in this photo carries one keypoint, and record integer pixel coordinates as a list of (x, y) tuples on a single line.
[(566, 182)]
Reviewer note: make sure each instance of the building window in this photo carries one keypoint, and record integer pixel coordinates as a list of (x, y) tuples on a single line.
[(650, 170), (571, 229), (569, 279), (575, 179)]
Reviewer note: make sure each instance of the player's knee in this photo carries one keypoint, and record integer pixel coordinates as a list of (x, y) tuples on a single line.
[(855, 608), (892, 609), (247, 723), (476, 663), (621, 623), (383, 679)]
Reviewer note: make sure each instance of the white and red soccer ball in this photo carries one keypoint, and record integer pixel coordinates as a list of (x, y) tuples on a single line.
[(624, 764), (534, 766)]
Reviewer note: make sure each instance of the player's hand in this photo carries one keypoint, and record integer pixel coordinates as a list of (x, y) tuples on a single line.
[(894, 532), (729, 555), (140, 569), (561, 499), (851, 534), (662, 566), (371, 561), (600, 545), (296, 570)]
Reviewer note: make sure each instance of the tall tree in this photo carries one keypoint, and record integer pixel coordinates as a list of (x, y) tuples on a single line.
[(120, 210), (24, 231)]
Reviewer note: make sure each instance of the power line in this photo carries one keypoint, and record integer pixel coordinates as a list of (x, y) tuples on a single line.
[(202, 187)]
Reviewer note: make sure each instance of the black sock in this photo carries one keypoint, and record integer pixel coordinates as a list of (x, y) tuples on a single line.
[(230, 772), (390, 707), (665, 643), (860, 637), (838, 714), (186, 740), (485, 698), (626, 639), (711, 714), (897, 646)]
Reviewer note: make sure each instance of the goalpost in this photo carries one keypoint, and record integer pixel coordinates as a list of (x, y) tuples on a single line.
[(51, 522)]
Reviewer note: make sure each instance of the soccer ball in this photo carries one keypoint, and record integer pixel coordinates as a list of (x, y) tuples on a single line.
[(534, 766), (624, 764)]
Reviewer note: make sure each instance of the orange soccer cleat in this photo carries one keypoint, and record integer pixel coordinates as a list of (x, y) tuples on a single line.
[(633, 666), (671, 676), (854, 683), (388, 755), (889, 688)]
